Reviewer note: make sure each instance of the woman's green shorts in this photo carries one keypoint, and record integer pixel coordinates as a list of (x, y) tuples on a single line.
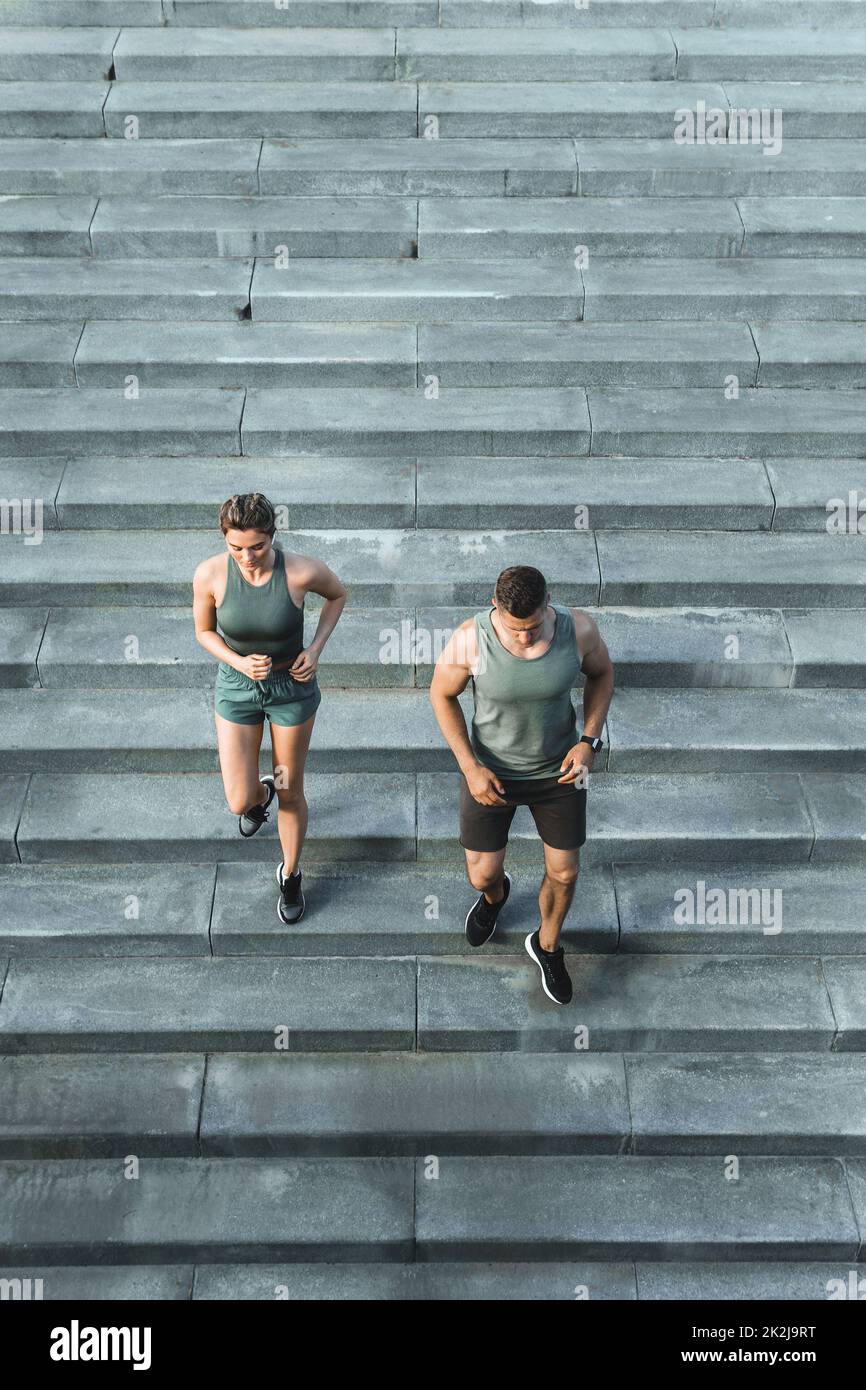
[(279, 698)]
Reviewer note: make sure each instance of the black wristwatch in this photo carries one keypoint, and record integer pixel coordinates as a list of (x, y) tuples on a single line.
[(594, 743)]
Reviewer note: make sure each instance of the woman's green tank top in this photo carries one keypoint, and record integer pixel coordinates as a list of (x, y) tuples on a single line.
[(524, 721), (261, 618)]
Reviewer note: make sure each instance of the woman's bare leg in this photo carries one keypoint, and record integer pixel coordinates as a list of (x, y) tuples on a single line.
[(290, 747), (239, 746)]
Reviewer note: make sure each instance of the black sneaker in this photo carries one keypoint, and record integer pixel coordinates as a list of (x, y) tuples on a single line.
[(253, 819), (291, 902), (555, 979), (481, 918)]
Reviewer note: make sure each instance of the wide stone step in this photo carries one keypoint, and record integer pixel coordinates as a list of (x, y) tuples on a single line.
[(53, 110), (395, 731), (666, 168), (636, 110), (739, 288), (726, 13), (387, 568), (812, 354), (179, 355), (233, 1209), (598, 353), (55, 288), (400, 168), (157, 228), (96, 422), (140, 167), (286, 109), (389, 1104), (50, 226), (210, 1004), (413, 290), (273, 1006), (778, 52), (301, 55), (507, 1209), (556, 228), (229, 909), (816, 908), (396, 647), (759, 423), (88, 647), (671, 818), (73, 54)]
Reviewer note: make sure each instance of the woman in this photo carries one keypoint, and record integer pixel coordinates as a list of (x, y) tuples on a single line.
[(255, 592)]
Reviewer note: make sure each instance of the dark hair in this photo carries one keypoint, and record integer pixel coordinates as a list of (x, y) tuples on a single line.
[(521, 590), (248, 511)]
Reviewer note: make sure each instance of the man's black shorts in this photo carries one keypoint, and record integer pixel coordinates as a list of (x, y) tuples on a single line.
[(558, 809)]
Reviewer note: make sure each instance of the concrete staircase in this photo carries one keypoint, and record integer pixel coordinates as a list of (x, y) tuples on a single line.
[(437, 277)]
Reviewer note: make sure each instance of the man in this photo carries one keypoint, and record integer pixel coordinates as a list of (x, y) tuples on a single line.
[(523, 658)]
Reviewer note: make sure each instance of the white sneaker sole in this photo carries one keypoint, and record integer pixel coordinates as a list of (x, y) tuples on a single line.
[(529, 951), (496, 923)]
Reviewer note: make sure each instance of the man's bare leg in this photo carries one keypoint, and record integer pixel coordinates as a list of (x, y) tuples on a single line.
[(561, 868)]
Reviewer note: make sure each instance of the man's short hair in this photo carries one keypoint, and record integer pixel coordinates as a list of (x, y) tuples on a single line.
[(521, 590)]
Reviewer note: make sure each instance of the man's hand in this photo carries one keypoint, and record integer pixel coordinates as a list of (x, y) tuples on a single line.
[(305, 666), (577, 764), (257, 666), (484, 786)]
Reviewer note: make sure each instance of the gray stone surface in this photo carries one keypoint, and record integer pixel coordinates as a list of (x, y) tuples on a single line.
[(676, 818), (738, 731), (623, 1003), (105, 494), (496, 55), (52, 110), (748, 1104), (38, 354), (401, 421), (599, 1207), (824, 168), (837, 806), (51, 288), (414, 290), (553, 228), (811, 109), (387, 910), (417, 167), (788, 54), (130, 910), (580, 494), (29, 486), (12, 795), (183, 1209), (765, 1281), (823, 495), (804, 226), (762, 909), (246, 354), (106, 422), (758, 571), (414, 1104), (252, 109), (310, 227), (109, 1283), (660, 354), (160, 818), (126, 167), (811, 354), (20, 638), (856, 1173), (300, 55), (212, 1005), (32, 226), (845, 979), (763, 287), (496, 1281), (55, 54), (77, 1107), (827, 646)]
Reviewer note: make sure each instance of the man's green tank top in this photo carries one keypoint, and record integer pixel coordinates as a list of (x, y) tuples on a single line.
[(261, 618), (524, 721)]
